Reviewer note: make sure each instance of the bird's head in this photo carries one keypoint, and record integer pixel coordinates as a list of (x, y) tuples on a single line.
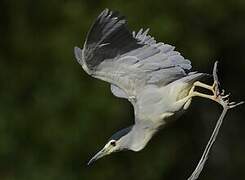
[(118, 142), (110, 147)]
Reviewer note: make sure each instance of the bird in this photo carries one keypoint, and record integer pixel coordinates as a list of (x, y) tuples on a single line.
[(155, 78)]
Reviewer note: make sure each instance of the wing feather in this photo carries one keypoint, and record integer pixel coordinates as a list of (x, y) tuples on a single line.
[(129, 61)]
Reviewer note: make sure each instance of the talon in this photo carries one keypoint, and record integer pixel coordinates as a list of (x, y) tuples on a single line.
[(226, 96)]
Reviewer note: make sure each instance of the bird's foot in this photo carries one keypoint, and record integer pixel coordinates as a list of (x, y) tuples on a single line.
[(224, 100), (217, 96), (220, 96)]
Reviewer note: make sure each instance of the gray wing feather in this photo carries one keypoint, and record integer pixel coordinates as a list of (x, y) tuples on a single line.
[(129, 61), (107, 38), (170, 74)]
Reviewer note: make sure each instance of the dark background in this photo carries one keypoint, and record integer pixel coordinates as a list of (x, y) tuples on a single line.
[(54, 117)]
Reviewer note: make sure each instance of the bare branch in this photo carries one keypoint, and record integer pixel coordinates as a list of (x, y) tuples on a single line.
[(221, 99)]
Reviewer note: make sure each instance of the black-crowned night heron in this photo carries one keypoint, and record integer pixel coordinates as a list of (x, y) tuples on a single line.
[(155, 78)]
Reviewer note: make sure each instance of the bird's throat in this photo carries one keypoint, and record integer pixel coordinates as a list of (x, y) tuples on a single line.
[(140, 136)]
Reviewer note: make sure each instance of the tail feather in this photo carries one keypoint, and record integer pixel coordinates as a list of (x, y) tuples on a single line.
[(194, 76)]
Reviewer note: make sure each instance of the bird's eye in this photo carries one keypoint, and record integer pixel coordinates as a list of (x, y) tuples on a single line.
[(113, 143)]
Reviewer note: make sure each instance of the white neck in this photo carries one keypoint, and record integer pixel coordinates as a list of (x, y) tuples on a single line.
[(138, 137)]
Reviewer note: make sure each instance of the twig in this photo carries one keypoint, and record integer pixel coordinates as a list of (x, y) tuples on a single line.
[(204, 157), (222, 99)]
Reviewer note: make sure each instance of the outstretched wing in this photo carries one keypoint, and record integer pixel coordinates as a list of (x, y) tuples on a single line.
[(129, 61)]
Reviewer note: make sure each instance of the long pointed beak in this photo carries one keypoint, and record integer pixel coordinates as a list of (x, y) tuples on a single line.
[(97, 156)]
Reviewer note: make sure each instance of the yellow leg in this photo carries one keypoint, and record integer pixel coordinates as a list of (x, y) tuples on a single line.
[(217, 96), (193, 93), (205, 86), (212, 88), (198, 94)]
